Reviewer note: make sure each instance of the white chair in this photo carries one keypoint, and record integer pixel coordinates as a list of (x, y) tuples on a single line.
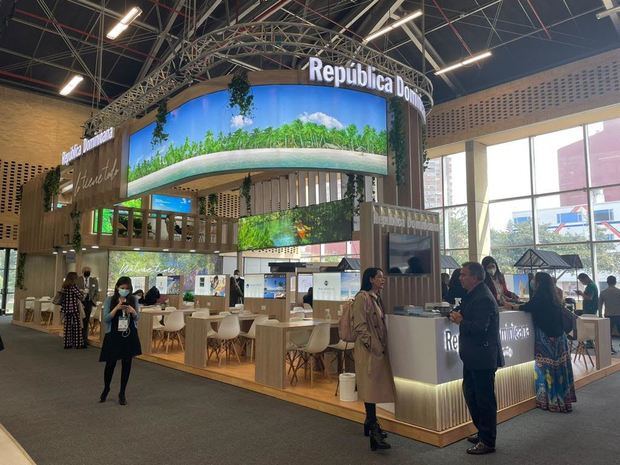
[(47, 307), (585, 333), (29, 307), (174, 322), (341, 347), (225, 313), (307, 307), (240, 307), (224, 338), (157, 327), (95, 318), (250, 336), (318, 342)]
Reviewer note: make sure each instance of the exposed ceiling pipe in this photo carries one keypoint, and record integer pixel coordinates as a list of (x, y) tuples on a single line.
[(453, 28), (538, 18), (464, 15)]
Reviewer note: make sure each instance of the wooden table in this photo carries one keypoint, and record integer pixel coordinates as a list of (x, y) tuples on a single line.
[(145, 325), (196, 330), (602, 339), (271, 341)]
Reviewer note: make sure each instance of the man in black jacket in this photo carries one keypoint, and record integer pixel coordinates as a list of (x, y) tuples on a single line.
[(481, 351)]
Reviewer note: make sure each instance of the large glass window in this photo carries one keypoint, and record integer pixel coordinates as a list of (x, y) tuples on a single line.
[(433, 197), (605, 203), (8, 267), (563, 218), (511, 223), (508, 170), (454, 179), (604, 152)]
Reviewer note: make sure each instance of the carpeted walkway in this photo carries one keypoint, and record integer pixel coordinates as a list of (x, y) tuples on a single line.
[(48, 402)]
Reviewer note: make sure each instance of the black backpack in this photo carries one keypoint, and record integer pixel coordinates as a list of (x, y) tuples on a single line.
[(568, 320)]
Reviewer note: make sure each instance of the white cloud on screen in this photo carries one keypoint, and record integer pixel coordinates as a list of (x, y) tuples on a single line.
[(322, 119), (240, 121)]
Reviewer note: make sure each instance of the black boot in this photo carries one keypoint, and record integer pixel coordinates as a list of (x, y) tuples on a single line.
[(104, 394), (367, 427), (377, 441), (121, 399)]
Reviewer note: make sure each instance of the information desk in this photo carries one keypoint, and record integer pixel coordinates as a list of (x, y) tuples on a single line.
[(145, 324), (196, 331), (271, 341), (428, 371)]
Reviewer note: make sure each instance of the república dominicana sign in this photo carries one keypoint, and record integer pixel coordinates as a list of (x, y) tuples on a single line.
[(365, 76), (87, 144)]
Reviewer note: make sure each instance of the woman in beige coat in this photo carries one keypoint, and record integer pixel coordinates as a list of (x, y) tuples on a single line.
[(375, 383)]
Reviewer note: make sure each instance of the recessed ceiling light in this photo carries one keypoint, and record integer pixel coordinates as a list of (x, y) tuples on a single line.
[(124, 23), (72, 84), (394, 25), (467, 61)]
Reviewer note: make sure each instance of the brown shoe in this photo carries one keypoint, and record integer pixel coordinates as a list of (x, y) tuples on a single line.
[(473, 438), (480, 449)]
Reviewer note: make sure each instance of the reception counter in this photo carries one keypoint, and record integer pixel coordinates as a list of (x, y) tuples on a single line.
[(428, 371)]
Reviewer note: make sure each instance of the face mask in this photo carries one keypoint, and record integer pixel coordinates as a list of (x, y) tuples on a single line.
[(492, 270), (86, 274), (123, 292)]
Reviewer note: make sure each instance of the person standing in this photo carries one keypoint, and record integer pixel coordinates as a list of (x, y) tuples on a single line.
[(497, 283), (481, 353), (589, 294), (375, 383), (555, 388), (610, 299), (455, 288), (70, 307), (236, 289), (89, 285), (121, 342)]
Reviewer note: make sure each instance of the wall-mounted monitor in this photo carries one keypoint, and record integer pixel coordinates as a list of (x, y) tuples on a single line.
[(275, 286), (291, 127), (254, 285), (409, 254), (171, 203), (211, 285), (304, 282), (322, 223), (336, 286)]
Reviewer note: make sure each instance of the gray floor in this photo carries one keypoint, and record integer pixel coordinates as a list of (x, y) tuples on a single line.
[(48, 401)]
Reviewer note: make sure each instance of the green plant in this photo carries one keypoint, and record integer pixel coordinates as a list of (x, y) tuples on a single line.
[(212, 202), (397, 140), (239, 93), (188, 296), (76, 240), (51, 187), (202, 205), (20, 272), (354, 193), (424, 147), (297, 134), (246, 192), (159, 135)]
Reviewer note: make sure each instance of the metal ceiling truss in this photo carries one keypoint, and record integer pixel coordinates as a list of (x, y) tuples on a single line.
[(247, 40)]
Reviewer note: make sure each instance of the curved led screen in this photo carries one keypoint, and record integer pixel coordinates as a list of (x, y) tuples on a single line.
[(291, 126)]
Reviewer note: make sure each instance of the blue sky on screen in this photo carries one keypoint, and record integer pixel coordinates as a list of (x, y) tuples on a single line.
[(171, 203), (274, 105)]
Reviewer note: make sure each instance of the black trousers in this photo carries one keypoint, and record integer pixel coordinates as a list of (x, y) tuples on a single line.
[(88, 308), (479, 392)]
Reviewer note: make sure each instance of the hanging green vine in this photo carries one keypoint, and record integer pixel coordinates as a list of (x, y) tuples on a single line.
[(159, 135), (76, 240), (246, 192), (202, 205), (354, 193), (20, 272), (397, 141), (424, 147), (51, 187), (239, 93), (212, 205)]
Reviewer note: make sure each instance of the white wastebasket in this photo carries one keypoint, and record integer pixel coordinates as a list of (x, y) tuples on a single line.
[(347, 387)]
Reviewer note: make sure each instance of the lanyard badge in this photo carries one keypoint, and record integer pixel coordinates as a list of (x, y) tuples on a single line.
[(123, 323)]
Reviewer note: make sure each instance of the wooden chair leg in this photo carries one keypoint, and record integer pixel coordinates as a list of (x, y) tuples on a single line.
[(311, 370), (180, 341)]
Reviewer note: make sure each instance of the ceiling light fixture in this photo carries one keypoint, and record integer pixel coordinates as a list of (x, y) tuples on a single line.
[(606, 13), (468, 61), (394, 25), (124, 23), (72, 84)]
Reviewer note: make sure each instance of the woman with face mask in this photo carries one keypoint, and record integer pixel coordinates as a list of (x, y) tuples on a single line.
[(120, 313), (497, 283)]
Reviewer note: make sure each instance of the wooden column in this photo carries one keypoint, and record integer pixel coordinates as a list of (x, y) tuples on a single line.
[(477, 200)]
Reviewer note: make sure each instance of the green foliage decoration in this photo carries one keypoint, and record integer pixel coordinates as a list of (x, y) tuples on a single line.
[(202, 205), (212, 204), (424, 144), (76, 240), (397, 139), (239, 93), (51, 187), (246, 192), (159, 135), (188, 296), (20, 272), (297, 134), (354, 193)]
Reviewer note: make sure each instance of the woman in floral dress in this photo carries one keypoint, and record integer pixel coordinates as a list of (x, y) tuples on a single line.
[(70, 308)]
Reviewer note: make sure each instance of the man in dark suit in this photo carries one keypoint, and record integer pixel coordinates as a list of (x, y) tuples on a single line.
[(236, 289), (89, 285), (481, 352)]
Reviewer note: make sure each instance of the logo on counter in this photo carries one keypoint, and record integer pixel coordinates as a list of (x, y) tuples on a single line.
[(508, 333)]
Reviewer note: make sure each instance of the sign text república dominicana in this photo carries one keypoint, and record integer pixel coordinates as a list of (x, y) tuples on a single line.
[(365, 76), (87, 144)]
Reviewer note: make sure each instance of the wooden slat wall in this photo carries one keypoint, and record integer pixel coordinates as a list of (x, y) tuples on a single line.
[(399, 290)]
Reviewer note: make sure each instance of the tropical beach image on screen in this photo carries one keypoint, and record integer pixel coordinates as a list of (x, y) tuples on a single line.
[(291, 126), (325, 222)]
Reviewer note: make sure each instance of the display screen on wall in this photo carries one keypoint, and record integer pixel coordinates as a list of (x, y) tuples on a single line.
[(291, 126), (171, 203), (336, 286), (325, 222), (254, 286), (409, 254), (304, 282), (138, 282), (275, 286), (123, 218), (149, 264), (212, 285)]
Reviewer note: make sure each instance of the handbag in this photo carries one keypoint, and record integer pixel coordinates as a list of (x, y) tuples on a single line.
[(57, 300)]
